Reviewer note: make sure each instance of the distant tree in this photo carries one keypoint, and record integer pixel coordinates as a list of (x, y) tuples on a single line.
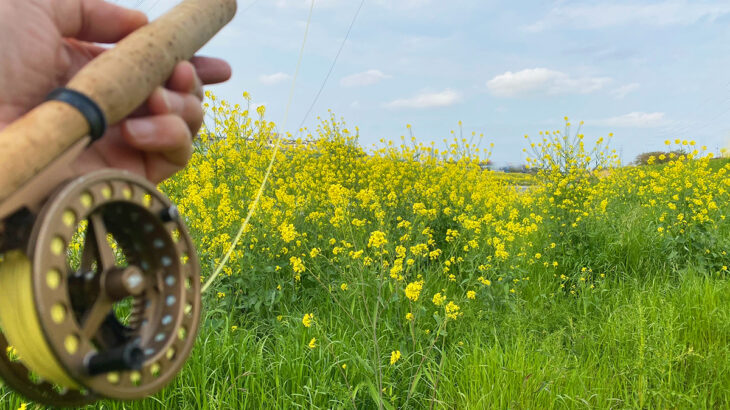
[(522, 168)]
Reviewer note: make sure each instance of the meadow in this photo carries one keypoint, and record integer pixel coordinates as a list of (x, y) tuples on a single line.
[(407, 276)]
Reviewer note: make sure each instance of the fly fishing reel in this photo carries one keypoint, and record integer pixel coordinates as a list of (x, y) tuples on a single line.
[(103, 298)]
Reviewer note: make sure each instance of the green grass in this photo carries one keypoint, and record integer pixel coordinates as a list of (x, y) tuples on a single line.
[(662, 343)]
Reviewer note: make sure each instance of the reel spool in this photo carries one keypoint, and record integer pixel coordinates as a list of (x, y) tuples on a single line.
[(99, 323)]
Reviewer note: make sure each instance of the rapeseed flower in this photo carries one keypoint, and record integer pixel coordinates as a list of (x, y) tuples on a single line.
[(452, 310), (394, 356), (413, 290)]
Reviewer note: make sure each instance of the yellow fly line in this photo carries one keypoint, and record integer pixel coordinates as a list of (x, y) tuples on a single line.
[(237, 239), (20, 324)]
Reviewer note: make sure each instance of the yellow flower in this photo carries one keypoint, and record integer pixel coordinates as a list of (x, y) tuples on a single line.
[(288, 232), (279, 318), (438, 299), (413, 290), (377, 239), (344, 366), (452, 310), (233, 328), (313, 343), (343, 287), (296, 264), (394, 356), (12, 353), (409, 316), (221, 295), (23, 406), (308, 319), (471, 294)]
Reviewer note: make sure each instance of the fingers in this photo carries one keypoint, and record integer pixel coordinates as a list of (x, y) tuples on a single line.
[(96, 20), (167, 135), (156, 160), (185, 79), (184, 105), (111, 151), (182, 97), (211, 70)]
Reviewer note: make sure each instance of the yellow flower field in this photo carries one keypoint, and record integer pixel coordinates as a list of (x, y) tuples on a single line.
[(410, 248), (411, 276)]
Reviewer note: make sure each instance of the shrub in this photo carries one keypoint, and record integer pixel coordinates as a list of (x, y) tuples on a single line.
[(657, 157)]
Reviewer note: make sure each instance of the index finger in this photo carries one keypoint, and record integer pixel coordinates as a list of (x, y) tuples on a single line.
[(95, 20)]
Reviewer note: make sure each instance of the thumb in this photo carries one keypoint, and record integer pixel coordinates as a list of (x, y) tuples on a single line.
[(96, 20)]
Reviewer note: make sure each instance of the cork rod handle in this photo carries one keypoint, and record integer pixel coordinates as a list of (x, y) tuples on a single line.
[(119, 81)]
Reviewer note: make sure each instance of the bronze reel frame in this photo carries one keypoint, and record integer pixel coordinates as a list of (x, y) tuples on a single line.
[(106, 358)]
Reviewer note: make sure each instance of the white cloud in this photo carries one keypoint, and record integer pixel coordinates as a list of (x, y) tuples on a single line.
[(577, 14), (368, 77), (633, 120), (542, 81), (427, 100), (622, 91), (271, 79)]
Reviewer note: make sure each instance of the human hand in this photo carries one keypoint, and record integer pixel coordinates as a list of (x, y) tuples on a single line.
[(46, 42)]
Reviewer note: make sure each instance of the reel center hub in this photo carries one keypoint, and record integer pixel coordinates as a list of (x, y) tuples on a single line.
[(118, 283)]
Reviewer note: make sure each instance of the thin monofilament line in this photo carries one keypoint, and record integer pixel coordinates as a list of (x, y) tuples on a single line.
[(222, 264), (332, 67)]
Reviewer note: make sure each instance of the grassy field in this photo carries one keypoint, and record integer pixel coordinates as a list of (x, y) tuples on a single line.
[(410, 278)]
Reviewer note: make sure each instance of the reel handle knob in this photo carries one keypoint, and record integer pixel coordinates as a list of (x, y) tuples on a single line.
[(126, 357)]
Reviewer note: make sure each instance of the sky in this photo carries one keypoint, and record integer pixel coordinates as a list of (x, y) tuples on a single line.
[(646, 71)]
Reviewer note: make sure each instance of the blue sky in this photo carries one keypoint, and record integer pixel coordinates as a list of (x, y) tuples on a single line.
[(645, 70)]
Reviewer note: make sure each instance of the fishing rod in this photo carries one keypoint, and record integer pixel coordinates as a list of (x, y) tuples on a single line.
[(61, 343)]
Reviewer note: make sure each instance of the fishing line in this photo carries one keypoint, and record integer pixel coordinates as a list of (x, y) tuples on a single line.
[(332, 67), (237, 239), (19, 320)]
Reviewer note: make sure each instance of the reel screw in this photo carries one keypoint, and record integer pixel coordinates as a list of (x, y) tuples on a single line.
[(120, 283), (170, 214), (126, 357)]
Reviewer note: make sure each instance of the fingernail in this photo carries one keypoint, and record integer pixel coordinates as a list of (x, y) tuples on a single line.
[(165, 99), (197, 87), (141, 129)]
